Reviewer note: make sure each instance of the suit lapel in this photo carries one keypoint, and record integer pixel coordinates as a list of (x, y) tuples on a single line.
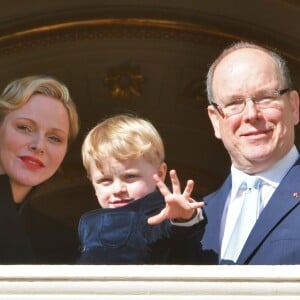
[(214, 212), (284, 199)]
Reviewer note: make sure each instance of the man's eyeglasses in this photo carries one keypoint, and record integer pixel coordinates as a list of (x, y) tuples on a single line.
[(262, 100)]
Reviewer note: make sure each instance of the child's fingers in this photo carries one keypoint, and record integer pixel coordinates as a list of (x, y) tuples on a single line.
[(188, 189), (196, 204), (175, 182), (161, 186), (157, 219)]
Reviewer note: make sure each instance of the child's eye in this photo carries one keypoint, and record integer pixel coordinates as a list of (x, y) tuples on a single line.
[(131, 176), (104, 181)]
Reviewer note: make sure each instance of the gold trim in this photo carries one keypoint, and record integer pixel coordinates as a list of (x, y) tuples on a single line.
[(130, 22), (124, 81), (153, 23)]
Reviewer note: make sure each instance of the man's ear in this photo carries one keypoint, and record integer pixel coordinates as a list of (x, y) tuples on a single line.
[(162, 171), (215, 120)]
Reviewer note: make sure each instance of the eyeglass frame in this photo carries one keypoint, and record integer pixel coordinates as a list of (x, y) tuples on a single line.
[(276, 93)]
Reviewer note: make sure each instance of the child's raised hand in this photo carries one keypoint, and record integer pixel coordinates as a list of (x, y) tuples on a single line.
[(180, 207)]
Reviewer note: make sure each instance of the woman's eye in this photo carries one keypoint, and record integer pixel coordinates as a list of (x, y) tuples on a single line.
[(24, 128), (55, 139)]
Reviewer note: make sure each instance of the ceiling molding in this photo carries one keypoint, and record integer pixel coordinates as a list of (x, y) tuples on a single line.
[(84, 29)]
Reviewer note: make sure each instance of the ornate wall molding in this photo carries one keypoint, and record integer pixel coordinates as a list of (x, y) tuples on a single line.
[(117, 28), (125, 81)]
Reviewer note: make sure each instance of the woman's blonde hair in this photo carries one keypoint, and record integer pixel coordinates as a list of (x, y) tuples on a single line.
[(18, 93), (122, 137)]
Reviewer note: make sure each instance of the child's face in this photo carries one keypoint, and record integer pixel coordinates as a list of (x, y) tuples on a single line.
[(121, 183)]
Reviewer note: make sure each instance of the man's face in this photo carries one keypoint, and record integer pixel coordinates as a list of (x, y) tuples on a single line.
[(255, 138)]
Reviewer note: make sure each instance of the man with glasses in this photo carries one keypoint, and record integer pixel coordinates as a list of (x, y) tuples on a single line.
[(254, 218)]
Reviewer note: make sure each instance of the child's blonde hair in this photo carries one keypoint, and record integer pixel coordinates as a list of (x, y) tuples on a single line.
[(122, 137)]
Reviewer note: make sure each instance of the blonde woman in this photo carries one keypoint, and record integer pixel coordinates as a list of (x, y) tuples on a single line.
[(38, 120)]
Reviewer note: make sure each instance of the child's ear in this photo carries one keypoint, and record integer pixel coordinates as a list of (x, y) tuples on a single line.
[(162, 171)]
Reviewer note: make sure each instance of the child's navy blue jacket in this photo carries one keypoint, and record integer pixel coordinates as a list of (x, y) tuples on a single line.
[(123, 236)]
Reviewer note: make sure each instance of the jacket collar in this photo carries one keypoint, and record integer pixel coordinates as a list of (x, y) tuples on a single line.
[(283, 201)]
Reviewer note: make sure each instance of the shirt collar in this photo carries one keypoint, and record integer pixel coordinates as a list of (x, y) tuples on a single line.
[(272, 176)]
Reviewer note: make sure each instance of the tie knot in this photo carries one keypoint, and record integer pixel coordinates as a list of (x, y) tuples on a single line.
[(253, 182)]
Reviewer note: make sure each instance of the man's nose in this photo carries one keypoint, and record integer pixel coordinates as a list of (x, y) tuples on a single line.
[(250, 110)]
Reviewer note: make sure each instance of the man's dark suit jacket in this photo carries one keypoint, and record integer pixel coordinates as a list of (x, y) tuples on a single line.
[(275, 238)]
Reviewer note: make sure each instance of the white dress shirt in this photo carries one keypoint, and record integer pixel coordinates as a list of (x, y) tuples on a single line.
[(271, 179)]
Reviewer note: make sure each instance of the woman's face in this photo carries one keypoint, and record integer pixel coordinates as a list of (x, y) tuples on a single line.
[(33, 141)]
